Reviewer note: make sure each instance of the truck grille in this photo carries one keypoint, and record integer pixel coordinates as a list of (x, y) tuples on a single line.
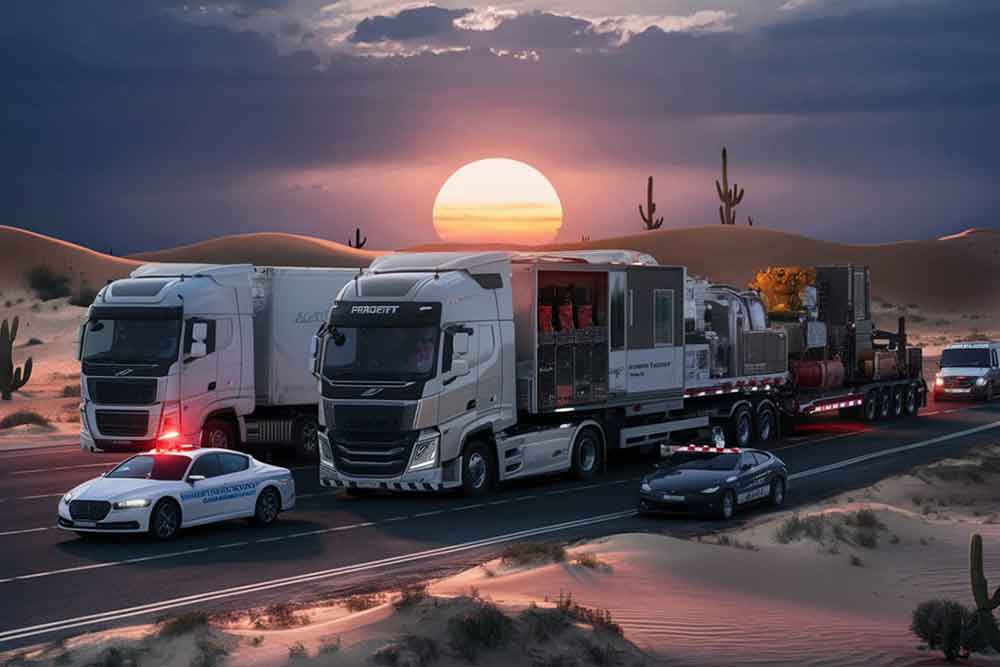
[(371, 418), (372, 454), (89, 510), (121, 423), (122, 392)]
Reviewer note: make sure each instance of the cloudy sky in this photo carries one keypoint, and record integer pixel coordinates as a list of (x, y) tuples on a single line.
[(138, 124)]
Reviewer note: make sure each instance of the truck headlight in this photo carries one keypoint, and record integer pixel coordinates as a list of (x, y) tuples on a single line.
[(939, 381), (425, 453), (980, 382), (135, 503), (710, 490), (84, 426)]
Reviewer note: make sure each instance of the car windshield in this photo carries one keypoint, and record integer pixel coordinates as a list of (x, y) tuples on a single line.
[(164, 467), (125, 341), (388, 353), (703, 461), (970, 357)]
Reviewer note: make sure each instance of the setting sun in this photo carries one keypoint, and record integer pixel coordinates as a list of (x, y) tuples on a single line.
[(497, 200)]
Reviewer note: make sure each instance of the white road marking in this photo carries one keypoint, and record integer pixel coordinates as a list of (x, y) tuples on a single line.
[(208, 596), (894, 450), (466, 507), (36, 471), (422, 514), (26, 530)]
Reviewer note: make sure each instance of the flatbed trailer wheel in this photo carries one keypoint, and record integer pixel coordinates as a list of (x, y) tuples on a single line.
[(766, 424), (870, 408), (739, 428), (885, 403), (898, 399), (910, 401)]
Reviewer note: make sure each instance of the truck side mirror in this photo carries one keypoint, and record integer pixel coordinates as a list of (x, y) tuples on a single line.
[(461, 344), (314, 355), (199, 332), (198, 350), (460, 367)]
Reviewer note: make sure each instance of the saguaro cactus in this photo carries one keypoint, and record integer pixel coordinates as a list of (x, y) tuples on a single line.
[(649, 219), (985, 604), (11, 379), (358, 241), (730, 197)]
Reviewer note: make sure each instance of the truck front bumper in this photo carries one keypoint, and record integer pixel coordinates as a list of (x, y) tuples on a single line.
[(424, 480)]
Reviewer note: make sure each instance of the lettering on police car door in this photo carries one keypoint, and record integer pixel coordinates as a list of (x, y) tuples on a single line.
[(754, 494), (217, 494)]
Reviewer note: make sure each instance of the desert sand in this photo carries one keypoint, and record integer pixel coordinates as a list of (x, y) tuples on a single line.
[(833, 583), (265, 249)]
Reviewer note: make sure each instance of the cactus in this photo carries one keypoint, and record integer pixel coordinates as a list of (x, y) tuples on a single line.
[(650, 221), (730, 197), (985, 604), (11, 379), (358, 241)]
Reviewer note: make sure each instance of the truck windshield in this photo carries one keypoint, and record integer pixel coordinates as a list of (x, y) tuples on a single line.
[(129, 341), (972, 357), (383, 353)]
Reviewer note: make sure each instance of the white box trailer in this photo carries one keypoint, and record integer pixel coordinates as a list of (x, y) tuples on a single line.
[(200, 353)]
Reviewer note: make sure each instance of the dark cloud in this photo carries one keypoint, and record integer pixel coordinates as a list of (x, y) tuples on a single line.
[(125, 123), (416, 23)]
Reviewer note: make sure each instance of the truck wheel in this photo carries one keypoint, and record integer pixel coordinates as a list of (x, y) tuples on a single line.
[(767, 423), (885, 403), (910, 402), (870, 407), (739, 428), (218, 433), (586, 454), (165, 520), (478, 470), (898, 399), (305, 434)]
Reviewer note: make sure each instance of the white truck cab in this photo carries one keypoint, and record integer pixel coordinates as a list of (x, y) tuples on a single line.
[(203, 354), (969, 370)]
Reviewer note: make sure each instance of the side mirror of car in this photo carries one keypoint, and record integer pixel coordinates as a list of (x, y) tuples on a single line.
[(195, 478)]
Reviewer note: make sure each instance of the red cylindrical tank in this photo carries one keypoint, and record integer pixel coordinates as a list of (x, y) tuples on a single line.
[(585, 316), (545, 318), (565, 315), (818, 374)]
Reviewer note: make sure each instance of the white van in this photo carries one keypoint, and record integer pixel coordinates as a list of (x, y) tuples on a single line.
[(969, 370)]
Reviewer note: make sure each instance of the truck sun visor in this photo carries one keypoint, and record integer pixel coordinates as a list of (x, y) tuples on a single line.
[(136, 313)]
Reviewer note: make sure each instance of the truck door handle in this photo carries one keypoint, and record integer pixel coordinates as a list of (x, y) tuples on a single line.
[(211, 386), (471, 405)]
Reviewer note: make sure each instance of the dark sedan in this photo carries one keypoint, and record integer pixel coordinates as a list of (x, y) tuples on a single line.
[(714, 480)]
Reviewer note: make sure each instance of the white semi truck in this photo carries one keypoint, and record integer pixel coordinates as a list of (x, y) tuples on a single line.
[(203, 354), (448, 370)]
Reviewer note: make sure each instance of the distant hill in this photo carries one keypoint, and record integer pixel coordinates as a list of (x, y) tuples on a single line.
[(960, 272), (265, 249)]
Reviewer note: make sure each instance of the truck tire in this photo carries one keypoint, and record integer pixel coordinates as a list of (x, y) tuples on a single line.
[(305, 434), (739, 428), (218, 432), (885, 403), (910, 401), (478, 469), (587, 449), (898, 401), (766, 424)]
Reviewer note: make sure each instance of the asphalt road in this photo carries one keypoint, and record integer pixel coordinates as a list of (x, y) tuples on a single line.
[(54, 584)]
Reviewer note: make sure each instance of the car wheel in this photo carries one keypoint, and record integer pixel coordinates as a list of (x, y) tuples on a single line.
[(739, 429), (478, 473), (306, 438), (910, 402), (586, 454), (727, 506), (870, 407), (897, 402), (268, 506), (218, 433), (766, 424), (778, 492), (989, 392), (165, 520)]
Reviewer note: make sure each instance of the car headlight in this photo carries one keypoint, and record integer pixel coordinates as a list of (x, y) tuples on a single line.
[(135, 503), (425, 453), (939, 381), (711, 489), (68, 497), (646, 488), (980, 382)]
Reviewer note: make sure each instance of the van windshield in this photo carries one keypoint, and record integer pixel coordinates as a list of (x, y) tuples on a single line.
[(381, 353), (969, 357)]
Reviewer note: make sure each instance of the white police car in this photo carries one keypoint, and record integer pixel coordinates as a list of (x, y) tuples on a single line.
[(162, 491)]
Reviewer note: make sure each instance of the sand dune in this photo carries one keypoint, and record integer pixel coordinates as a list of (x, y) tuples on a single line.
[(957, 273), (267, 249)]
